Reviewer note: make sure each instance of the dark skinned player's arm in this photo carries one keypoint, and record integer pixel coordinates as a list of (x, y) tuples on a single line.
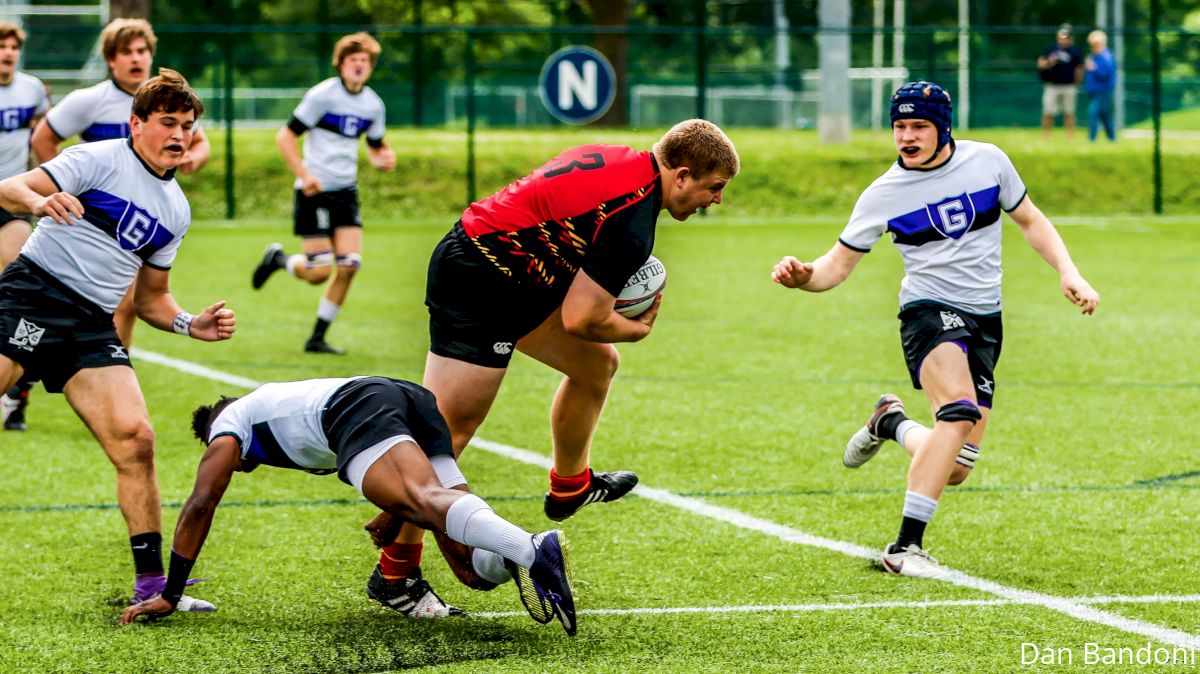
[(220, 460), (216, 469)]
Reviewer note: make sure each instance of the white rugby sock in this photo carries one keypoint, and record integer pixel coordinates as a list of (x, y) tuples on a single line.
[(294, 262), (327, 311), (472, 522), (919, 506), (903, 428), (489, 566)]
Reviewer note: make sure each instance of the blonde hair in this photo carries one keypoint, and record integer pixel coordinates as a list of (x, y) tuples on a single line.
[(1097, 36), (353, 44), (120, 32), (699, 145), (166, 92), (12, 30)]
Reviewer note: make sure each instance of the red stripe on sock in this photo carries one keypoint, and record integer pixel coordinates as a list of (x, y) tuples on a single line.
[(569, 486), (398, 560)]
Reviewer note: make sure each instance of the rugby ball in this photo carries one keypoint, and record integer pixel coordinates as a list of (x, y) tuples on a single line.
[(641, 288)]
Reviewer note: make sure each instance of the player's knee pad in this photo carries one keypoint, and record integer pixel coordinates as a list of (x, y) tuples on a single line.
[(959, 410), (350, 260), (967, 456), (323, 258)]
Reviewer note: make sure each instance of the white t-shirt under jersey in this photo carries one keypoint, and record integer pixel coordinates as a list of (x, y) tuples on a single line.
[(20, 101), (336, 118), (131, 216), (283, 417), (945, 223)]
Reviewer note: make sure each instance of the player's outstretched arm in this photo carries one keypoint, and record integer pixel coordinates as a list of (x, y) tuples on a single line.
[(1044, 238), (154, 304), (34, 193), (212, 478), (588, 312), (822, 274)]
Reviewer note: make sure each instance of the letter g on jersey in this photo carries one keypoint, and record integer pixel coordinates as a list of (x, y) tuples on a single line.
[(503, 348)]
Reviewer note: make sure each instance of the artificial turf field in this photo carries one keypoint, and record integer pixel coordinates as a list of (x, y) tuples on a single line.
[(1080, 524)]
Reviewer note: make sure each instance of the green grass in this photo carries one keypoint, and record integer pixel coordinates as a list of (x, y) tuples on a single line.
[(742, 397), (784, 173)]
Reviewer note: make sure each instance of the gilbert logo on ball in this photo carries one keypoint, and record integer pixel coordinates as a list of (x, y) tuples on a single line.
[(577, 85), (641, 288)]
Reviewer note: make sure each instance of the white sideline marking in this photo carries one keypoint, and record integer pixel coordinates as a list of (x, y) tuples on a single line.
[(811, 608), (1073, 607)]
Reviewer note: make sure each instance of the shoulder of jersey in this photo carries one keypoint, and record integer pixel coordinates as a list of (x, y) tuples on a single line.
[(95, 91), (29, 79)]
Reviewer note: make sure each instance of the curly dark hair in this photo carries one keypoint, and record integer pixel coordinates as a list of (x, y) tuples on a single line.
[(205, 415)]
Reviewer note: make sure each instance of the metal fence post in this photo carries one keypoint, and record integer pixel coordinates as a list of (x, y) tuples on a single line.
[(701, 57), (1156, 100), (470, 117), (227, 108)]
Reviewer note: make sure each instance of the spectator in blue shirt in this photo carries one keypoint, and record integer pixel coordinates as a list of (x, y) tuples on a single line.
[(1061, 68), (1099, 80)]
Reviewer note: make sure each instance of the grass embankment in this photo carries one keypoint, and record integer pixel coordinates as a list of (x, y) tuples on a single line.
[(784, 173)]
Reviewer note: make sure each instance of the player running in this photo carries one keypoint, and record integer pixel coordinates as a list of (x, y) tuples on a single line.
[(22, 101), (537, 268), (941, 203), (111, 212), (326, 218), (102, 112), (387, 439)]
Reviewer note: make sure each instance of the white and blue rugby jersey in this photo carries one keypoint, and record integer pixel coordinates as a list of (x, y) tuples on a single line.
[(98, 112), (131, 217), (337, 118), (945, 223), (280, 424), (23, 99)]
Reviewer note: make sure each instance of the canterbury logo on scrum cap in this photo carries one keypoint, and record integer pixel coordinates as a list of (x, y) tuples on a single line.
[(906, 107)]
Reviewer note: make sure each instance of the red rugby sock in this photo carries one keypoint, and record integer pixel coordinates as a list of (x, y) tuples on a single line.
[(398, 560), (563, 487)]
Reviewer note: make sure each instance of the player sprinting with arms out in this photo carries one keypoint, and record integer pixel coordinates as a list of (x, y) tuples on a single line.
[(386, 438), (22, 101), (333, 114), (941, 202), (537, 268), (111, 211)]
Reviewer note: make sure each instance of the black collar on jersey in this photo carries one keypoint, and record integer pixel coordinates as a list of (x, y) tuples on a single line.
[(953, 147), (118, 86), (169, 175), (347, 89)]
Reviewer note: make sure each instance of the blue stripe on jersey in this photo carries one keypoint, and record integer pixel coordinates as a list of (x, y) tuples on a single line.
[(12, 119), (949, 218), (134, 228), (349, 126), (99, 131), (265, 449)]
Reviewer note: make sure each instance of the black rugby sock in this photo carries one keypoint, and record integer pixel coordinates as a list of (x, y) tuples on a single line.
[(147, 552), (886, 428), (318, 334)]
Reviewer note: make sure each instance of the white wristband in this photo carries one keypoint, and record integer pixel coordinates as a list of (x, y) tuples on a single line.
[(182, 324)]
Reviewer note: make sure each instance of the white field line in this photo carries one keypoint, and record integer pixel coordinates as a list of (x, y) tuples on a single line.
[(1072, 607), (853, 606)]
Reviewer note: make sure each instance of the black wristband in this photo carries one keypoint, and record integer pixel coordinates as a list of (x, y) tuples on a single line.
[(177, 576), (375, 143)]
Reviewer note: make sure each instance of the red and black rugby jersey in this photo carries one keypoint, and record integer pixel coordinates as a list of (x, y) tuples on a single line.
[(592, 207)]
